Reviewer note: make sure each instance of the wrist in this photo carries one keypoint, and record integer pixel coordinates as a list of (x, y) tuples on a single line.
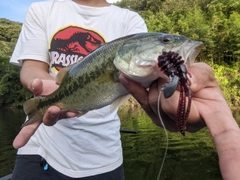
[(228, 148), (220, 122)]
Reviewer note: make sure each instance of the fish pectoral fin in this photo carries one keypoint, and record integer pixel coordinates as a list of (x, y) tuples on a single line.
[(32, 119), (31, 110), (119, 101)]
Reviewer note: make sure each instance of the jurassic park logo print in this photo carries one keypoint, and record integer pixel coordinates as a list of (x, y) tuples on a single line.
[(71, 44)]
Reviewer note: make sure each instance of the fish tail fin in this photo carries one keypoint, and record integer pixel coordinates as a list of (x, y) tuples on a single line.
[(30, 108)]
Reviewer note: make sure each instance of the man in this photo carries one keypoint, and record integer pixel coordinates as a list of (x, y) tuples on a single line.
[(54, 35)]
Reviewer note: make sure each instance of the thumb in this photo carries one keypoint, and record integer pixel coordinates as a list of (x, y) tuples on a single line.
[(36, 87), (201, 76)]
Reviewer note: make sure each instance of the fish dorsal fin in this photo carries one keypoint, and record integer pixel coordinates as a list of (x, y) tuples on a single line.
[(61, 74), (118, 102)]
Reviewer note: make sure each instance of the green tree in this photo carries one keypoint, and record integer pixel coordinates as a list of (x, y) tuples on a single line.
[(214, 22), (11, 90)]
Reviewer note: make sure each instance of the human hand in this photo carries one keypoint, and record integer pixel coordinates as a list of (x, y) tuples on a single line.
[(52, 115), (207, 100), (209, 108)]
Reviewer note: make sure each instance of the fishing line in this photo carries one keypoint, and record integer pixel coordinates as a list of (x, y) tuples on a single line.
[(166, 148)]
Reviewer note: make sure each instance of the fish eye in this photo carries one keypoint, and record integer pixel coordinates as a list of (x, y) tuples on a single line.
[(166, 39)]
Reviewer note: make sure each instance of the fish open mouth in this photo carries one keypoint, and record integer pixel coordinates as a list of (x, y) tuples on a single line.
[(139, 60), (190, 50)]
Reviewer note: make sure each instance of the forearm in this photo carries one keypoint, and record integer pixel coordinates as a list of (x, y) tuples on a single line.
[(226, 135), (31, 70), (228, 148)]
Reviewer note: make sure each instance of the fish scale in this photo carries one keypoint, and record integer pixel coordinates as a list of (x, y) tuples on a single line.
[(93, 82), (89, 84)]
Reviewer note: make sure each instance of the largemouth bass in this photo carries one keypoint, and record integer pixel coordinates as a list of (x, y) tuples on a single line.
[(138, 57), (93, 82)]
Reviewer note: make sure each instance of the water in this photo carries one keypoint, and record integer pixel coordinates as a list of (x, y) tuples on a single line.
[(10, 121), (190, 157)]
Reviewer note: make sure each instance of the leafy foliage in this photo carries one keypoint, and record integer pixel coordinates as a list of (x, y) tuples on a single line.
[(229, 82), (214, 22), (10, 92), (9, 32)]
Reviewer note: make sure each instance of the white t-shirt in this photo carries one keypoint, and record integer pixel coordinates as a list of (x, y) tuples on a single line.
[(60, 33)]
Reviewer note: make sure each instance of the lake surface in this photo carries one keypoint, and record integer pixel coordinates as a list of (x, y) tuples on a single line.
[(190, 157)]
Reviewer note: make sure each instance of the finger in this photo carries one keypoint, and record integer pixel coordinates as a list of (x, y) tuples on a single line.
[(168, 105), (157, 100), (169, 112), (155, 91), (68, 114), (36, 86), (202, 76), (51, 116), (134, 88), (43, 87), (54, 114), (49, 86), (25, 134), (140, 94)]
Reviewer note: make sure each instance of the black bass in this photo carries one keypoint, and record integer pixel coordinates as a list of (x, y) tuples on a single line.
[(138, 57), (93, 82)]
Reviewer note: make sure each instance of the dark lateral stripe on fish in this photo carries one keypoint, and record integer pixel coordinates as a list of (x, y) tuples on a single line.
[(79, 83)]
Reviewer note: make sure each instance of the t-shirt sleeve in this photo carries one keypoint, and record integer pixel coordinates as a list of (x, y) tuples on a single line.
[(32, 42), (136, 24)]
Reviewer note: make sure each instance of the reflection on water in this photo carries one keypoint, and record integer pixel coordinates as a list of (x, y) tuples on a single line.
[(189, 157), (10, 121)]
